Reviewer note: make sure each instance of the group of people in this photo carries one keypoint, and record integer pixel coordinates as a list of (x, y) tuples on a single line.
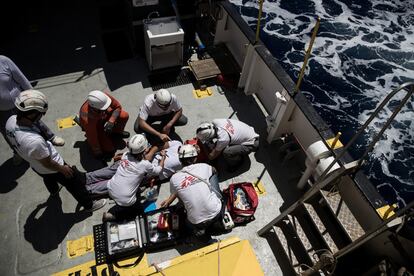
[(151, 153)]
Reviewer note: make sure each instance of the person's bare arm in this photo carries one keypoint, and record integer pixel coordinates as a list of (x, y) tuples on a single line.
[(213, 154), (117, 157), (169, 200), (164, 156), (149, 155), (148, 128), (55, 166), (167, 128)]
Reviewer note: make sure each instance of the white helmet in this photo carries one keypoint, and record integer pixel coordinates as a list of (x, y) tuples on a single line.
[(205, 131), (187, 151), (163, 97), (99, 100), (31, 100), (137, 144)]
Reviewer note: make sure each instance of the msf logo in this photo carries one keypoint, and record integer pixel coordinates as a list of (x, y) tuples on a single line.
[(124, 163), (188, 180), (229, 127)]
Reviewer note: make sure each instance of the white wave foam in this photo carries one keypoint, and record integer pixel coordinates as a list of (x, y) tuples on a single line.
[(339, 50)]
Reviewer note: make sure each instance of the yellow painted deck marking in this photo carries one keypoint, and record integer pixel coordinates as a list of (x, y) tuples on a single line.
[(79, 247), (386, 211), (236, 258), (259, 187), (337, 145), (199, 94), (90, 268), (66, 122)]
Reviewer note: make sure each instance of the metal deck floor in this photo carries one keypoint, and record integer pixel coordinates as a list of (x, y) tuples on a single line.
[(35, 227)]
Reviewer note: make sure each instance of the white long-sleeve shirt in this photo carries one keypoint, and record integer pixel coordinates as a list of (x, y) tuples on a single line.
[(12, 82)]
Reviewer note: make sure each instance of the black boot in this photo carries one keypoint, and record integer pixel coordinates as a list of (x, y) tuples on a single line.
[(124, 134)]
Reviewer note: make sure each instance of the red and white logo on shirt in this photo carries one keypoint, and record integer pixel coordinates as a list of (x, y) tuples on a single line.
[(229, 127), (188, 181), (124, 163)]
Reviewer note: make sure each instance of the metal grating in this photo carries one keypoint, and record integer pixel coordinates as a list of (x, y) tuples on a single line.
[(321, 228), (169, 78), (300, 233), (345, 217), (100, 244), (288, 250)]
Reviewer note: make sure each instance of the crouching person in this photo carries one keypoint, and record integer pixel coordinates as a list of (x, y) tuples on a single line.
[(103, 120), (27, 140), (166, 161), (197, 187), (231, 138), (123, 187), (164, 107)]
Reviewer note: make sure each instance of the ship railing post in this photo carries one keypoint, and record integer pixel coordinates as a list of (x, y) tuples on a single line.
[(248, 69), (307, 55), (274, 119), (259, 18)]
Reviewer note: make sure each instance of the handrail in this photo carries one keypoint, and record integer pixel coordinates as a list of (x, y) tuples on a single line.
[(372, 117), (379, 229), (326, 179)]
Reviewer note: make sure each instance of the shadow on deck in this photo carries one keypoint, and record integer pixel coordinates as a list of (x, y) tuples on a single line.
[(72, 51)]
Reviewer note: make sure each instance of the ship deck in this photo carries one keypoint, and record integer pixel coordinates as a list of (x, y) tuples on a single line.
[(66, 64)]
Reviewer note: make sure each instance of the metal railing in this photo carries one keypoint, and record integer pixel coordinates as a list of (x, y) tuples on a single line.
[(326, 179)]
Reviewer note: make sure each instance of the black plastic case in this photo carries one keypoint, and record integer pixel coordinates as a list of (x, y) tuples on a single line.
[(115, 240)]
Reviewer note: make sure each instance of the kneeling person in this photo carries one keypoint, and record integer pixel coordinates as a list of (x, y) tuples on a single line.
[(160, 106), (103, 120), (197, 186), (132, 170), (233, 139)]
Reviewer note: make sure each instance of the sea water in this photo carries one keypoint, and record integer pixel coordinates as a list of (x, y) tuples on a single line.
[(364, 49)]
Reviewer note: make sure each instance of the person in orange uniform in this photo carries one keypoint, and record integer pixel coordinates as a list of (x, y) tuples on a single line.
[(103, 120)]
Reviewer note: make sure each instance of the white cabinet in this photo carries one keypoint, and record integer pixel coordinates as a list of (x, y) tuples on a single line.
[(164, 39)]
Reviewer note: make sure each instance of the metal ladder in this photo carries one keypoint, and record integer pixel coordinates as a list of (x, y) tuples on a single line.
[(289, 216)]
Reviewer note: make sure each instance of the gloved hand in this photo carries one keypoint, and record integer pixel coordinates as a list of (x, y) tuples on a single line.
[(108, 126)]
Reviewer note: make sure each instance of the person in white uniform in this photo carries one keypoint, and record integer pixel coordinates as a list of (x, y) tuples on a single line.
[(134, 166), (197, 187), (96, 181), (172, 163), (161, 106), (231, 138), (12, 83), (27, 140)]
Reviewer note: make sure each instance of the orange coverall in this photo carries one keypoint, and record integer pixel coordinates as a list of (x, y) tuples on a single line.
[(92, 122)]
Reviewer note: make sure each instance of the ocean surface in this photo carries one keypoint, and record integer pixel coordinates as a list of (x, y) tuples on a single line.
[(364, 50)]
